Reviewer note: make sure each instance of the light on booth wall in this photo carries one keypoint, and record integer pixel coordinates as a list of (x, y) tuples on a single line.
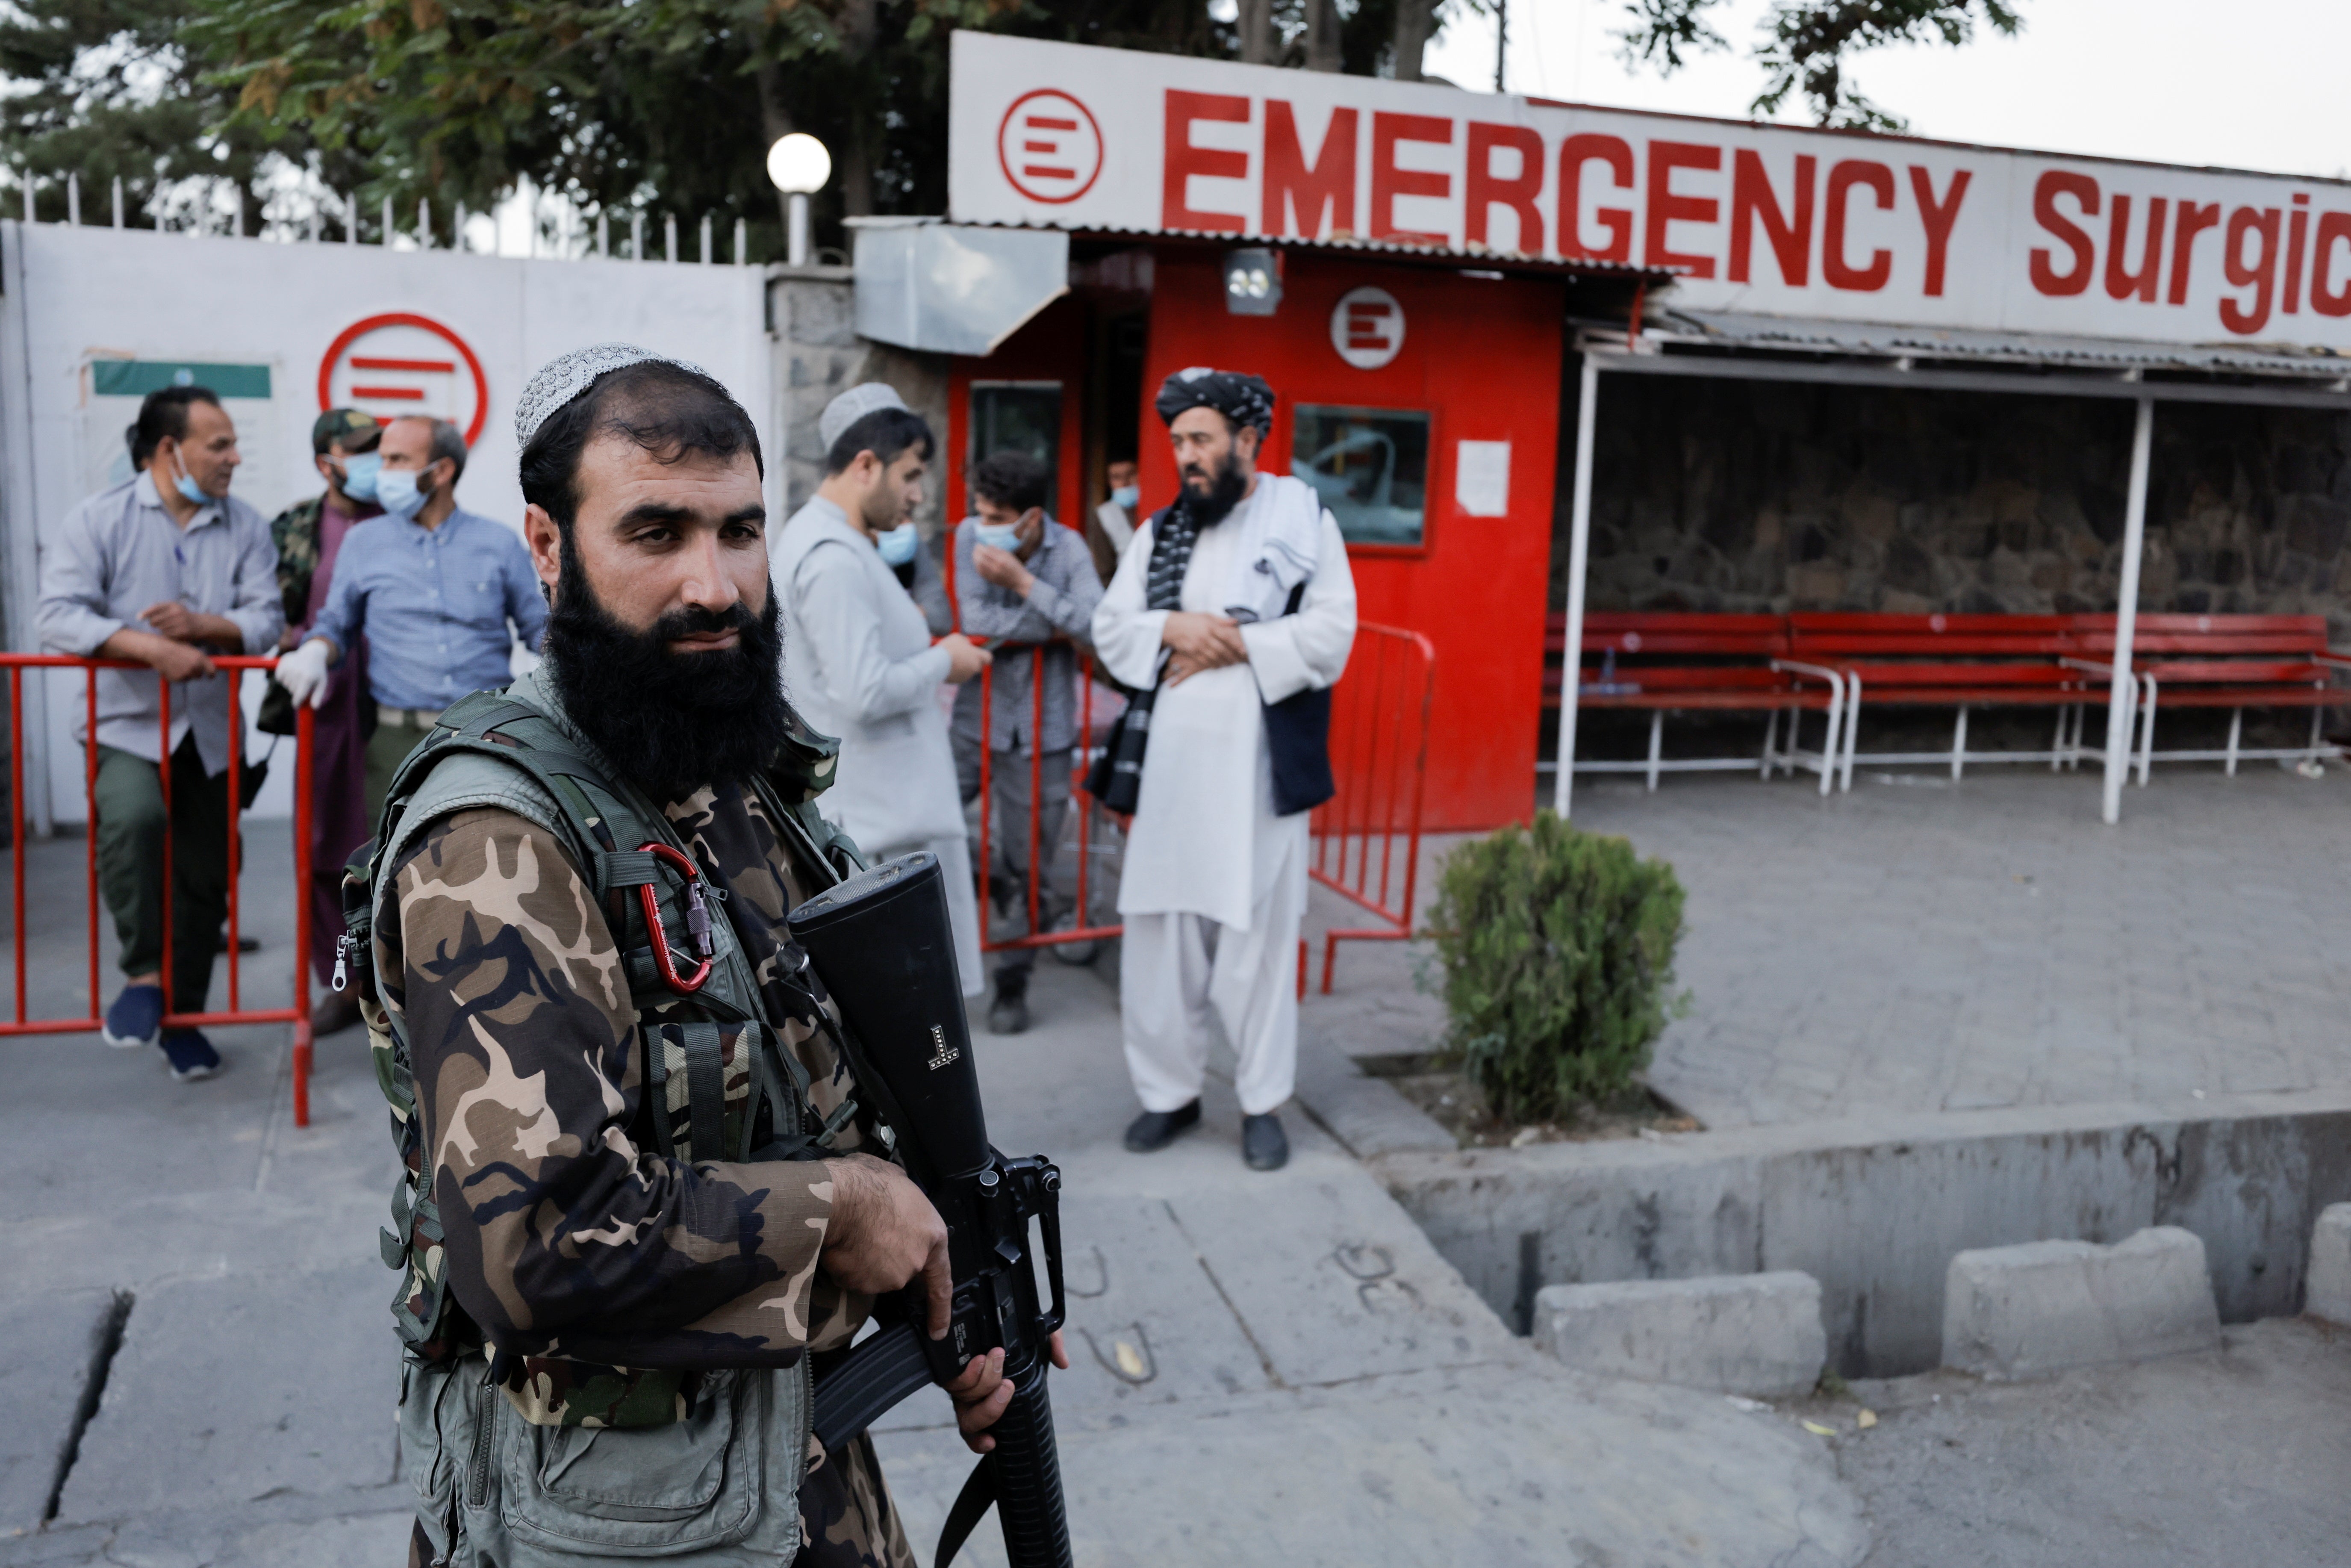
[(799, 165), (1253, 281)]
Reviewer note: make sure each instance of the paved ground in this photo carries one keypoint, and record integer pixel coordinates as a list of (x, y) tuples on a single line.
[(1925, 946), (1316, 1386), (2235, 1456)]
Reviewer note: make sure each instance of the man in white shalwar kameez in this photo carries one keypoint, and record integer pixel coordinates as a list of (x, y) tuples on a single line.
[(859, 662), (1236, 599)]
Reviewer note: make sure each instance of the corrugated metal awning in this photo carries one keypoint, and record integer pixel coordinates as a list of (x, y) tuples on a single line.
[(1921, 345)]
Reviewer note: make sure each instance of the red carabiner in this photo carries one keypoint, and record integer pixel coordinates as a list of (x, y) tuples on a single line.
[(697, 921)]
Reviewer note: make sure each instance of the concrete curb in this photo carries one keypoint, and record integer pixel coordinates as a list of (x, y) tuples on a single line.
[(2048, 1306), (2329, 1293), (1756, 1334)]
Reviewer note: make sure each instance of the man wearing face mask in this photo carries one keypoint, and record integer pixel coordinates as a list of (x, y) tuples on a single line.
[(859, 662), (310, 536), (1114, 518), (165, 570), (1026, 585), (434, 588)]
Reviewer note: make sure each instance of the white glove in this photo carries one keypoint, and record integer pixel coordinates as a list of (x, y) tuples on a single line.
[(303, 672)]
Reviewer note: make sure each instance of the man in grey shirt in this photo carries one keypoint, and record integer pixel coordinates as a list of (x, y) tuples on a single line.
[(165, 570), (1026, 586)]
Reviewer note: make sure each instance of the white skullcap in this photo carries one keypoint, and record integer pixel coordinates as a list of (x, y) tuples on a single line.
[(566, 376), (866, 397)]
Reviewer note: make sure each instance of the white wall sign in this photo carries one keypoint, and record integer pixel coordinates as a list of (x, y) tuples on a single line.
[(90, 315), (1481, 478), (1767, 218), (1367, 328)]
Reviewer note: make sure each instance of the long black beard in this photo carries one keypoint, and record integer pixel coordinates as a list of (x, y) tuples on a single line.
[(1225, 488), (671, 722)]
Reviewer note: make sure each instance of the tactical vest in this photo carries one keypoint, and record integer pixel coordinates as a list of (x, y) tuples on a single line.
[(515, 753)]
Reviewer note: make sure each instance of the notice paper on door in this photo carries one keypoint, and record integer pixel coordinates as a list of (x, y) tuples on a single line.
[(1482, 478)]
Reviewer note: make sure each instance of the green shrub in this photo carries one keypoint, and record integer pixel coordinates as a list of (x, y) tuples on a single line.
[(1557, 948)]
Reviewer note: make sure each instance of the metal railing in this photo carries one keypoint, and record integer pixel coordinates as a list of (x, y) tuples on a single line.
[(1366, 837), (1081, 802), (298, 1014)]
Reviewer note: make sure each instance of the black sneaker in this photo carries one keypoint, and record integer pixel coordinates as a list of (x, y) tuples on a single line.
[(136, 1017), (1154, 1130), (1263, 1144), (191, 1054)]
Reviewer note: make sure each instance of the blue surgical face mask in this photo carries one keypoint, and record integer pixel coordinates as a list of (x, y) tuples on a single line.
[(396, 492), (898, 545), (359, 472), (1003, 536), (1128, 495), (186, 484)]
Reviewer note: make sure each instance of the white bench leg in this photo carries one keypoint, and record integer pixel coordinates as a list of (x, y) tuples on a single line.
[(2057, 742), (2147, 735), (1771, 737), (1852, 726), (1959, 742), (1656, 744), (2236, 728)]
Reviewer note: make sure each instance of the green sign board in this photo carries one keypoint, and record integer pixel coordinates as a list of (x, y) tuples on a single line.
[(137, 378)]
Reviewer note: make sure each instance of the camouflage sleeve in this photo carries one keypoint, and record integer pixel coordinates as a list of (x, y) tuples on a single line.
[(564, 1237)]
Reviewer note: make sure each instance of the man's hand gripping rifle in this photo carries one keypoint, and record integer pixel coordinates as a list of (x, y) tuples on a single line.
[(882, 946)]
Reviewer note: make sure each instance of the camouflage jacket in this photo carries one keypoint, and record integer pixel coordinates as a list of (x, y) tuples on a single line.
[(568, 1242)]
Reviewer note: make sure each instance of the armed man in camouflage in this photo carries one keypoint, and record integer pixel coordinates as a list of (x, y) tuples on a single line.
[(643, 1197)]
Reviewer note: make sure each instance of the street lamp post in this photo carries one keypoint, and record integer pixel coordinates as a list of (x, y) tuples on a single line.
[(799, 165)]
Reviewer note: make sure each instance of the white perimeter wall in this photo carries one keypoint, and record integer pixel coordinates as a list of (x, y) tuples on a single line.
[(76, 296)]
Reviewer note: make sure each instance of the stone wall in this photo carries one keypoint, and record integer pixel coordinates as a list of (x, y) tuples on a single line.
[(1758, 495), (819, 355)]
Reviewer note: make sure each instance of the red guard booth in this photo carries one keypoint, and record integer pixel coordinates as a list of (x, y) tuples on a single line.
[(1424, 401), (1387, 272)]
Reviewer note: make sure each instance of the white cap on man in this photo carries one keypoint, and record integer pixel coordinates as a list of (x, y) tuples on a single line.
[(866, 397)]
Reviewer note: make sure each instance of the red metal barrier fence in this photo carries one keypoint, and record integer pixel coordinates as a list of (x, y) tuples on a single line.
[(1041, 853), (1366, 837), (298, 1013), (1367, 845)]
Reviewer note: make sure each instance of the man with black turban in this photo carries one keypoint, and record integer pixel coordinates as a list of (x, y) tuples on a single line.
[(1232, 612)]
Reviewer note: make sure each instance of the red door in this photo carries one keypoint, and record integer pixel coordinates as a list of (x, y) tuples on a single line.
[(1423, 403)]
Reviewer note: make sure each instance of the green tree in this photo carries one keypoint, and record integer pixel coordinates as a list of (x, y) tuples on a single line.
[(625, 106), (103, 89), (1806, 43)]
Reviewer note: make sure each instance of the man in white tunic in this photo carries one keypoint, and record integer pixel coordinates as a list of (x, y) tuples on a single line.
[(1237, 604), (859, 662)]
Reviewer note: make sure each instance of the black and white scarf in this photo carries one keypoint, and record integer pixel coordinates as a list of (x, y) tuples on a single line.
[(1172, 538)]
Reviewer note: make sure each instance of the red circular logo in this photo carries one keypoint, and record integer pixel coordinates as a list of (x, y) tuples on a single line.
[(1049, 146), (400, 363)]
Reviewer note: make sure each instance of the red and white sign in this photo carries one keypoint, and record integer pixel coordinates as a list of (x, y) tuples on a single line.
[(1049, 146), (1367, 328), (1773, 219), (402, 364)]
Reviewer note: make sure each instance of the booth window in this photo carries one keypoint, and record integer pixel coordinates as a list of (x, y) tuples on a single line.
[(1016, 416), (1371, 465)]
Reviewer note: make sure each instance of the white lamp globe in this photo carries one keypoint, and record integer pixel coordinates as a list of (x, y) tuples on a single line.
[(798, 164)]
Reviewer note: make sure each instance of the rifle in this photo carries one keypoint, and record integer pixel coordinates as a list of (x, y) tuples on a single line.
[(881, 945)]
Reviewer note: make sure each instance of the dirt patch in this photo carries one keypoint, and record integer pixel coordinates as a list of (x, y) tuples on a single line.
[(1459, 1106)]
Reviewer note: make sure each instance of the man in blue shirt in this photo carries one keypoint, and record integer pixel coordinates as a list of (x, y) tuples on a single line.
[(434, 588)]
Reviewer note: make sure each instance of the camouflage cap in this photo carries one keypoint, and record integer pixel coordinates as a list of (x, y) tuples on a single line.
[(356, 431)]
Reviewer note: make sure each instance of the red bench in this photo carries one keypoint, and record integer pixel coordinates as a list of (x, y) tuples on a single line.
[(2232, 661), (1750, 674), (1947, 661), (1839, 663)]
